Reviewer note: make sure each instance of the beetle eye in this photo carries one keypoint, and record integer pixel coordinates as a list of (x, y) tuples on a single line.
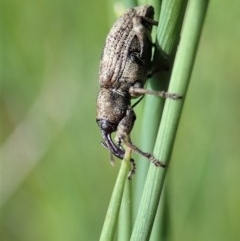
[(106, 126)]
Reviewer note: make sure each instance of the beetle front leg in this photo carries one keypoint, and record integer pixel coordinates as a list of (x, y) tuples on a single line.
[(123, 136), (125, 126), (132, 170), (149, 156)]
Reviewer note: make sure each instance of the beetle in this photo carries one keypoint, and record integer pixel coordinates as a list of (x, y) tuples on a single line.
[(124, 68)]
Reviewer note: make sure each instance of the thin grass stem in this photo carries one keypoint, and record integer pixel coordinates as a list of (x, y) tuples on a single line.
[(182, 69), (111, 218)]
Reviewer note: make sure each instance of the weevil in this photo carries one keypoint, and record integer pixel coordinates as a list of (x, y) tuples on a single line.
[(124, 68)]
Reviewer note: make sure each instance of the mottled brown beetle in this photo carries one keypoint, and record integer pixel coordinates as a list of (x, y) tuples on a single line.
[(124, 68)]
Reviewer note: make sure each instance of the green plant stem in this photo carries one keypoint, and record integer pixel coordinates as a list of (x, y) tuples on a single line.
[(171, 115), (168, 36), (129, 3), (171, 18), (170, 22), (141, 2), (125, 216), (111, 218)]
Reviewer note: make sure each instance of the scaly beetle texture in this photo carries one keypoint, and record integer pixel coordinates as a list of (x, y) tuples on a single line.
[(124, 68)]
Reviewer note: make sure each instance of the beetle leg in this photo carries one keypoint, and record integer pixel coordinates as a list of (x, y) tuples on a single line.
[(135, 91), (132, 170), (149, 156), (123, 136), (149, 21)]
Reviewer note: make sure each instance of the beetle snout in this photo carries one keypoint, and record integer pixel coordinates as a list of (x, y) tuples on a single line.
[(107, 128)]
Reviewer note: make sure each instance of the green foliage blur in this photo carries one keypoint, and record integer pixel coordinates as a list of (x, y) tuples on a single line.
[(56, 180)]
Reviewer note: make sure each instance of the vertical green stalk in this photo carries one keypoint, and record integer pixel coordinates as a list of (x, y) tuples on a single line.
[(181, 73), (129, 3), (168, 36), (111, 218), (125, 216), (168, 32)]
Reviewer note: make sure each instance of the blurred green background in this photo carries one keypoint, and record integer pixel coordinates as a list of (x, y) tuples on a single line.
[(56, 180)]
